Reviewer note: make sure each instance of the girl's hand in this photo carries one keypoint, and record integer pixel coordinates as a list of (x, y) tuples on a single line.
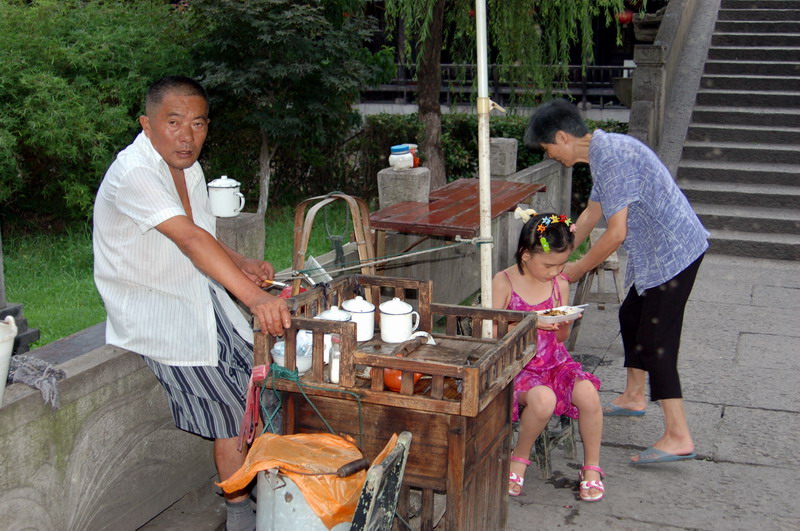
[(549, 327)]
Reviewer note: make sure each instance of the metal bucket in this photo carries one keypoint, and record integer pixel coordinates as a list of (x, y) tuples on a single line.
[(282, 506)]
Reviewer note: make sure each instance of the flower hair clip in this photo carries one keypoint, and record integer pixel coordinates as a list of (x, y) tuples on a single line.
[(524, 215), (549, 221)]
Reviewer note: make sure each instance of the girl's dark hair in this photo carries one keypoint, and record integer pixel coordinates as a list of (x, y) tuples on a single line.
[(557, 234)]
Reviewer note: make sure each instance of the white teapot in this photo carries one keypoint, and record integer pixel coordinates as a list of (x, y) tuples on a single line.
[(224, 196), (363, 313), (397, 321)]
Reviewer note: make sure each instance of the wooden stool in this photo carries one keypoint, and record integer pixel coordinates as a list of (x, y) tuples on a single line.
[(560, 430), (584, 293)]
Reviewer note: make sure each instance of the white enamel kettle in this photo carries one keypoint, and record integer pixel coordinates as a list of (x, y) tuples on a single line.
[(8, 331), (225, 198), (397, 321)]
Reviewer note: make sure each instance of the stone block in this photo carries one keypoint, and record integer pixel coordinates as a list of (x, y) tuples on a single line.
[(244, 234), (394, 186), (502, 156), (108, 458)]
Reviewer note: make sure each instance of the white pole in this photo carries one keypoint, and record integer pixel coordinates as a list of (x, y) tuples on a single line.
[(484, 178)]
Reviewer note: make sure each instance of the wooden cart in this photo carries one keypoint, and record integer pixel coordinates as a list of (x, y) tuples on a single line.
[(459, 412)]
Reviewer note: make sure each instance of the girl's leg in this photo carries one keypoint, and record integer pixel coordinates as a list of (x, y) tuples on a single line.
[(539, 403), (590, 423)]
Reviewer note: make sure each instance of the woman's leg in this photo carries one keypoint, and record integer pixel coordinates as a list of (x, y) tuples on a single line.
[(630, 313), (590, 423), (539, 403)]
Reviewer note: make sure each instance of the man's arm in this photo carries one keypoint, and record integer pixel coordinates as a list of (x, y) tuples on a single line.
[(609, 242), (211, 258), (256, 270)]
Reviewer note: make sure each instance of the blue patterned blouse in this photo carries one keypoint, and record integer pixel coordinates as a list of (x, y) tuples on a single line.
[(664, 235)]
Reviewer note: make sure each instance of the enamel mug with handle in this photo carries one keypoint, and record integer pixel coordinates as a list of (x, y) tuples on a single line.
[(398, 321), (363, 313), (225, 198)]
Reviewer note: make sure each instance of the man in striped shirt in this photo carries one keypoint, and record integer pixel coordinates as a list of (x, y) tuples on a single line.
[(165, 278)]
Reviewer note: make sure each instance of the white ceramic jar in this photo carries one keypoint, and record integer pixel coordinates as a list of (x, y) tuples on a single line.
[(225, 198), (363, 313), (397, 321)]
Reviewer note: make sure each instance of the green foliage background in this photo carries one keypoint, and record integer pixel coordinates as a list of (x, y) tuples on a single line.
[(72, 81)]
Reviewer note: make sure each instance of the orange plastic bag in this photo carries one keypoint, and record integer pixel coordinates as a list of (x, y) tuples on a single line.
[(332, 498)]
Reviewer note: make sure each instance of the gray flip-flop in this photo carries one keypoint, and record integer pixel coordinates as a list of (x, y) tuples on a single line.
[(654, 455)]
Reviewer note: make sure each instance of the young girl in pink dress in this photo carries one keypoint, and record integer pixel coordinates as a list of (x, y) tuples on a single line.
[(551, 383)]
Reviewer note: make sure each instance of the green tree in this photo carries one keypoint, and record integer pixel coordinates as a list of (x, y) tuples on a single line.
[(72, 80), (288, 70), (531, 39)]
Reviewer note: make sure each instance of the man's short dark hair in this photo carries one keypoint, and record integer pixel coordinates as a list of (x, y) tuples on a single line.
[(551, 117), (182, 85)]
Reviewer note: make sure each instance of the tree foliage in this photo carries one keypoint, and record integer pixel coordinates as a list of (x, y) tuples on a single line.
[(530, 40), (288, 70), (72, 80)]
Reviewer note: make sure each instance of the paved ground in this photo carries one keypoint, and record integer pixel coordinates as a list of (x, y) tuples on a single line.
[(739, 365)]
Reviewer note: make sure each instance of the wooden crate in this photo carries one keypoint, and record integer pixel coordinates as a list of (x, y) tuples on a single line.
[(459, 413), (461, 374)]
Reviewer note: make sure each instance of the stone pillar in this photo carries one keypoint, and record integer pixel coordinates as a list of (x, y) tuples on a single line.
[(244, 234), (25, 335), (396, 186), (503, 157)]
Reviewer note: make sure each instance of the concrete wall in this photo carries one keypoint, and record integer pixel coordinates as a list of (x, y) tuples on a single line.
[(108, 458)]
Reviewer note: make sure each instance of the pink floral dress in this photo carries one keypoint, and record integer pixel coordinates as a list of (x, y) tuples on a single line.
[(552, 366)]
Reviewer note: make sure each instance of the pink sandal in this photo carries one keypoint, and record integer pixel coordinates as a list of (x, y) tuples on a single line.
[(515, 479), (588, 485)]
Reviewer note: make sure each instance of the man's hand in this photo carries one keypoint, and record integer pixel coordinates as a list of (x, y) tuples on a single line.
[(257, 270), (271, 313)]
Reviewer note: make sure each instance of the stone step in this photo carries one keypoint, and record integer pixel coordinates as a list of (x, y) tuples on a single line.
[(741, 152), (736, 115), (762, 68), (755, 39), (760, 4), (758, 26), (755, 53), (788, 13), (749, 98), (755, 195), (755, 245), (747, 81), (749, 218), (738, 172), (762, 134)]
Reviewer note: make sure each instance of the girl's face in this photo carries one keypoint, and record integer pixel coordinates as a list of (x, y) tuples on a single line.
[(544, 267)]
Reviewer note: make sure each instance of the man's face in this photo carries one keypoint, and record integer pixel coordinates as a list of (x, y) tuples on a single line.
[(177, 128)]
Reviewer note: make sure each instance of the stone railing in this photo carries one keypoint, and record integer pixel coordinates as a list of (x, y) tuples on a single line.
[(656, 68)]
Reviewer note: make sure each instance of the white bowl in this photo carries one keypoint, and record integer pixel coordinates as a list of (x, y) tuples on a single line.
[(570, 314), (303, 363)]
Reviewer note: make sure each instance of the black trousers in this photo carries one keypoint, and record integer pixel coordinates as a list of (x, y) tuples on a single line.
[(651, 325)]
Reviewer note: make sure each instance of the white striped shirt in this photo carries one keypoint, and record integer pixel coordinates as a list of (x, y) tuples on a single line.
[(157, 301)]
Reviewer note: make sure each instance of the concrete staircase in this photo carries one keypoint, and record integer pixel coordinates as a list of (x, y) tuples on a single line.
[(740, 166)]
